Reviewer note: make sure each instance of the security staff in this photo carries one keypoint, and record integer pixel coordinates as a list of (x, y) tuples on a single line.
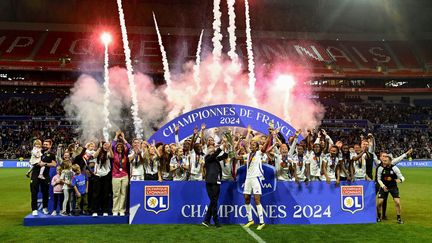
[(213, 176)]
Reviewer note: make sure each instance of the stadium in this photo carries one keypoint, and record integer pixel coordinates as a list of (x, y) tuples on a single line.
[(156, 121)]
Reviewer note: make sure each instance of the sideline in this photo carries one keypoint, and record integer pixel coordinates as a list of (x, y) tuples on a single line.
[(251, 233)]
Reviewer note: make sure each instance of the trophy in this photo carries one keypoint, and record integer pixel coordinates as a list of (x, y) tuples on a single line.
[(228, 136)]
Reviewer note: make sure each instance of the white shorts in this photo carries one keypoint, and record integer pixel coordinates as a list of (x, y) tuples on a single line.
[(252, 186)]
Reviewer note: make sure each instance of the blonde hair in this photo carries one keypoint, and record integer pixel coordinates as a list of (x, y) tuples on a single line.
[(88, 144), (76, 168), (66, 164), (37, 142)]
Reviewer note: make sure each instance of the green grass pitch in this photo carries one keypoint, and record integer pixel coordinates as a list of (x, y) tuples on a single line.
[(416, 195)]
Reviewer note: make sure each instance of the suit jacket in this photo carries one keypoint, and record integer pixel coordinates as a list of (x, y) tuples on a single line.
[(212, 166)]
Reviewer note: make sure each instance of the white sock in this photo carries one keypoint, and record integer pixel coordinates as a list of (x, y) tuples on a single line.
[(249, 212), (260, 213)]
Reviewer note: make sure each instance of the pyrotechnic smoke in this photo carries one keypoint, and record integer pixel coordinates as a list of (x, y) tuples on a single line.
[(231, 31), (85, 105), (217, 36), (203, 82), (196, 88), (286, 96), (177, 106), (134, 108), (106, 110), (167, 74), (196, 68), (251, 63), (214, 69)]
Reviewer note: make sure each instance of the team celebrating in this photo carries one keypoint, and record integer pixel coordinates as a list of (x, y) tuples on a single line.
[(94, 178)]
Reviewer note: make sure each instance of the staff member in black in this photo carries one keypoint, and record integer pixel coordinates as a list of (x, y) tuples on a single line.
[(47, 159), (388, 175), (213, 176)]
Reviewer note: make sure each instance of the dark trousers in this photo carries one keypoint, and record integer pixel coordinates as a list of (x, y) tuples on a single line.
[(213, 190), (34, 189), (384, 205), (58, 199), (150, 177), (101, 193), (90, 191)]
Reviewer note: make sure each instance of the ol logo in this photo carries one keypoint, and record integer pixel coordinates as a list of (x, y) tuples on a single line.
[(156, 198), (352, 198)]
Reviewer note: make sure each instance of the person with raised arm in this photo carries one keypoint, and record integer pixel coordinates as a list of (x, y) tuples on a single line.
[(254, 177), (213, 177), (120, 173), (102, 179)]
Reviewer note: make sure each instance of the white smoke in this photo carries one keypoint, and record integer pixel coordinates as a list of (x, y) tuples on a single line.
[(217, 36), (85, 105), (231, 31), (107, 93), (212, 80), (134, 107), (251, 62)]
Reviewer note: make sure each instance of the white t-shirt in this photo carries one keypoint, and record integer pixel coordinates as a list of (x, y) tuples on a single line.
[(179, 173), (103, 169), (67, 176), (254, 165), (196, 163), (36, 155), (226, 166)]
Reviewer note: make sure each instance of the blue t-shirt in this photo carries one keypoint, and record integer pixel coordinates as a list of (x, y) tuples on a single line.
[(80, 182)]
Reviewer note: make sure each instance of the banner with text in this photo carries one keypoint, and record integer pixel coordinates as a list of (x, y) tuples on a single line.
[(286, 203), (221, 116)]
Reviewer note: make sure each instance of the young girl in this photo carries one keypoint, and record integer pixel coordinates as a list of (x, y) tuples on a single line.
[(35, 158), (58, 191), (66, 179)]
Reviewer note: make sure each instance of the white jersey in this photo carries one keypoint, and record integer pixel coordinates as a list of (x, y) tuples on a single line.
[(137, 168), (254, 164), (179, 172), (331, 167), (360, 167), (300, 163), (196, 164), (282, 172), (151, 165), (227, 166), (315, 164), (346, 164)]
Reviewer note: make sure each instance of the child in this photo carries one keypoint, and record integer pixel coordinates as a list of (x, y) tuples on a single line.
[(80, 186), (66, 179), (58, 191), (35, 158)]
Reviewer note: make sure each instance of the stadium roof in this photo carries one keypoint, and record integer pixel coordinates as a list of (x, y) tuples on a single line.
[(332, 16)]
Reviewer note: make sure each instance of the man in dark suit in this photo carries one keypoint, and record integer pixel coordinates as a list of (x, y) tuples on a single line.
[(213, 176)]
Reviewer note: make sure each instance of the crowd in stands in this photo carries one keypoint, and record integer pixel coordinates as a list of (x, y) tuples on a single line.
[(380, 113), (16, 135)]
